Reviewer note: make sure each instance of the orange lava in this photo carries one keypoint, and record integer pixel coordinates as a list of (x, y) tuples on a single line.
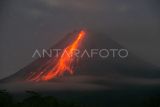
[(64, 63)]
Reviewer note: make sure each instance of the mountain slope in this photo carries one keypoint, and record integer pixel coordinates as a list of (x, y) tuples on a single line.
[(98, 71)]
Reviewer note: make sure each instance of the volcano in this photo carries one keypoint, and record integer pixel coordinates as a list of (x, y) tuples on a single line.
[(114, 72)]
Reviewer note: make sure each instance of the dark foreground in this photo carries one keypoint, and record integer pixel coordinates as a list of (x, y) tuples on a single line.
[(33, 99)]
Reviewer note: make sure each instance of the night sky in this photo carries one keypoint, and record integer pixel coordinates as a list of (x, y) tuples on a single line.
[(26, 25)]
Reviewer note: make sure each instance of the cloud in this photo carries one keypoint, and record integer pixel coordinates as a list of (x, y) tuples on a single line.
[(84, 5), (123, 8), (94, 6), (81, 83)]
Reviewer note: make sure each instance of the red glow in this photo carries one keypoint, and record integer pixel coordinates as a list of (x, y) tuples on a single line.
[(63, 64), (65, 61)]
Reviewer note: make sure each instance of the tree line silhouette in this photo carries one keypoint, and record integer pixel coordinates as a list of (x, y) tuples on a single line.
[(34, 100), (37, 100)]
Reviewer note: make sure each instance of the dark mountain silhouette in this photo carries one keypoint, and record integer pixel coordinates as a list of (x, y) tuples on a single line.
[(110, 71)]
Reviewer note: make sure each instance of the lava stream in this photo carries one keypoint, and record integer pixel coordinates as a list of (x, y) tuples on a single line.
[(63, 64)]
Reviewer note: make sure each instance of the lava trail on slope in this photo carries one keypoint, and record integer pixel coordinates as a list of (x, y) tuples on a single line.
[(57, 67)]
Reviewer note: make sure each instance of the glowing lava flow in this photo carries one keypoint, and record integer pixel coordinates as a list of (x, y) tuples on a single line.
[(64, 63)]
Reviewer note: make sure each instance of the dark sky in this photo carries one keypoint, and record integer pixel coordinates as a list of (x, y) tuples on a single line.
[(26, 25)]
